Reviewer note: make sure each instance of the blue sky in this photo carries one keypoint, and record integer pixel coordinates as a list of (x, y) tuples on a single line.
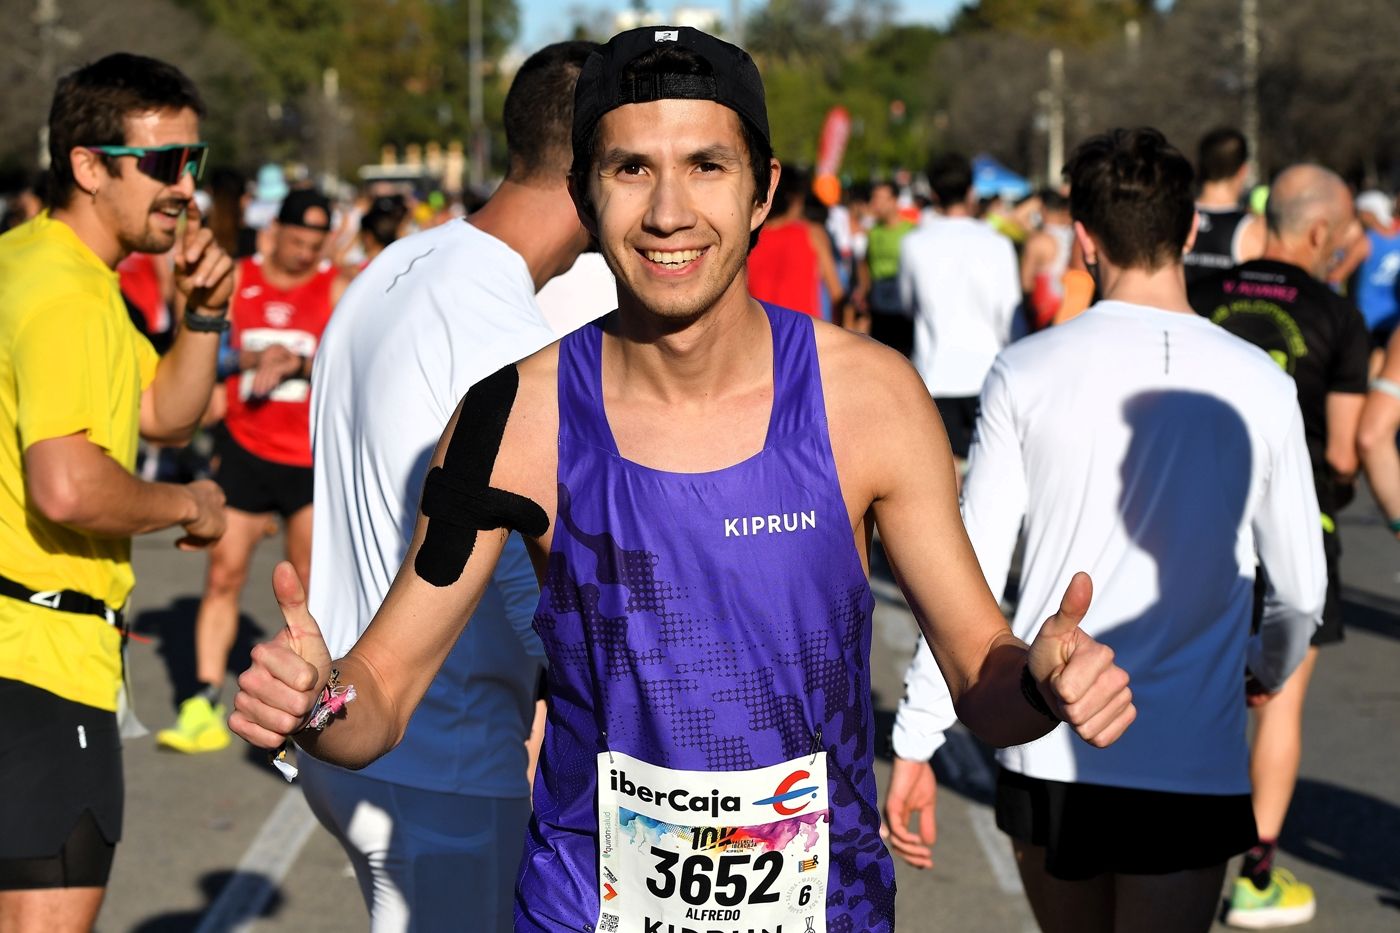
[(544, 21)]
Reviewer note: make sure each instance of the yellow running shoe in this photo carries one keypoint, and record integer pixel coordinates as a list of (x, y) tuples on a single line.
[(199, 728), (1285, 902)]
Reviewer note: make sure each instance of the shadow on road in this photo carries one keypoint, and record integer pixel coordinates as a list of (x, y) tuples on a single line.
[(213, 884), (173, 629), (1378, 615), (1347, 832)]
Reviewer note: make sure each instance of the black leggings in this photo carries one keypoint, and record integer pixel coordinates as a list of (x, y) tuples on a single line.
[(85, 861)]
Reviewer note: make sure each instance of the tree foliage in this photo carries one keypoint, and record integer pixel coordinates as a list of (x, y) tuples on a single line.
[(87, 30), (1077, 22), (403, 65), (1327, 88)]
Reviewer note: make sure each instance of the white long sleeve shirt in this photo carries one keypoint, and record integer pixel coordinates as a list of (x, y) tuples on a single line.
[(432, 315), (1159, 453), (960, 279)]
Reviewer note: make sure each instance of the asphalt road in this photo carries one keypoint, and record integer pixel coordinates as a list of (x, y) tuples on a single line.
[(220, 842)]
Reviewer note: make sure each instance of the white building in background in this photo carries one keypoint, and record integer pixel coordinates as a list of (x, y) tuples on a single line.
[(696, 17)]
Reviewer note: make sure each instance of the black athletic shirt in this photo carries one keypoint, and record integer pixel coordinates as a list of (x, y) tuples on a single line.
[(1316, 335), (1214, 249)]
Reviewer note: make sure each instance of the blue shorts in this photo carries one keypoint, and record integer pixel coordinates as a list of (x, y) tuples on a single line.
[(422, 857)]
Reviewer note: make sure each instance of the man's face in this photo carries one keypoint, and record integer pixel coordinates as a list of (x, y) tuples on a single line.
[(883, 205), (296, 250), (140, 212), (673, 199)]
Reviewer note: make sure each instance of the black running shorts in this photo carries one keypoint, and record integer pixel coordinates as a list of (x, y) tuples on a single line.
[(61, 790), (252, 484), (894, 329), (1092, 829), (959, 419)]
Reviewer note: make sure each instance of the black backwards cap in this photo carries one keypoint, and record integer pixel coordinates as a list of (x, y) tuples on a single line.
[(300, 202), (602, 87)]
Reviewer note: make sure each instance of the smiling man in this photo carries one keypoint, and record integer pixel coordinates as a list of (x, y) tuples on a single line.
[(708, 754), (78, 385)]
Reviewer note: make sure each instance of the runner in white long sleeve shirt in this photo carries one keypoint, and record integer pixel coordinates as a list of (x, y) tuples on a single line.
[(1163, 456)]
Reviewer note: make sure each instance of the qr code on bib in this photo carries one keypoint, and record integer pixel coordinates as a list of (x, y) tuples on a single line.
[(607, 923)]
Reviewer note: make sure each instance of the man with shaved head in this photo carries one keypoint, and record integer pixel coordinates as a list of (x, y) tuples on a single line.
[(1282, 304)]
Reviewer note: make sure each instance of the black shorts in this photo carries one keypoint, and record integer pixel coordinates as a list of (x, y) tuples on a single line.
[(894, 329), (1330, 632), (959, 419), (252, 484), (60, 771), (1092, 829)]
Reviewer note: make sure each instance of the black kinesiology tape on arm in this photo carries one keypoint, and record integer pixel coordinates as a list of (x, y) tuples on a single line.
[(458, 500)]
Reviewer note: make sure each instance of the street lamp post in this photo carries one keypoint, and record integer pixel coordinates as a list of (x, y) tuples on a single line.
[(1249, 26), (478, 144), (1055, 118)]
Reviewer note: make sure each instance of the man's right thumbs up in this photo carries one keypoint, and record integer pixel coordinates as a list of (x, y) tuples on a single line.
[(276, 694), (1075, 674)]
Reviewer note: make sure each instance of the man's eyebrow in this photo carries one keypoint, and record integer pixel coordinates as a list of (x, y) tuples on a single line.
[(618, 157), (716, 152)]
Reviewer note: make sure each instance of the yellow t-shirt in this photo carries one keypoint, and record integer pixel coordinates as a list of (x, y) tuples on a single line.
[(70, 362)]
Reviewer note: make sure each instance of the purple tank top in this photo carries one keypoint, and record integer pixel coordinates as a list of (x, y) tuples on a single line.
[(704, 621)]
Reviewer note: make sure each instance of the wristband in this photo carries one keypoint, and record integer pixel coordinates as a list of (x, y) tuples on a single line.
[(205, 323), (1031, 691), (1394, 525), (334, 696)]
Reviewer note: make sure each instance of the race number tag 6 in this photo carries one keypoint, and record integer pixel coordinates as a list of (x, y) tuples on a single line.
[(698, 851)]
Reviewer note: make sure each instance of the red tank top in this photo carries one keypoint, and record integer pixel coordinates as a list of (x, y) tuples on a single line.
[(140, 282), (783, 268), (278, 427)]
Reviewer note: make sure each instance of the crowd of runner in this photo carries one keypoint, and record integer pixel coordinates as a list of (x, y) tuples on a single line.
[(578, 533)]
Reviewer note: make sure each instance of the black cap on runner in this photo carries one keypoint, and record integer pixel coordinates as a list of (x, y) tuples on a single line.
[(305, 207), (733, 82)]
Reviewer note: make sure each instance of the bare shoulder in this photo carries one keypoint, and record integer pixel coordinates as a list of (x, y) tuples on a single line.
[(539, 374), (864, 380), (1039, 243), (528, 460), (879, 413)]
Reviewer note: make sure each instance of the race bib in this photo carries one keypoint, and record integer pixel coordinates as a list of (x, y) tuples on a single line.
[(712, 851), (299, 342)]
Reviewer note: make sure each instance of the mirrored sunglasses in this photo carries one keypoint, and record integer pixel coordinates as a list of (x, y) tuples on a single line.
[(166, 164)]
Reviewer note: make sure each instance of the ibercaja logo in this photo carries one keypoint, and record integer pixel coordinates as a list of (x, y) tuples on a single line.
[(787, 791)]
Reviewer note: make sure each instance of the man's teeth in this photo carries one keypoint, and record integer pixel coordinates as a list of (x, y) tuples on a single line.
[(170, 211), (676, 258)]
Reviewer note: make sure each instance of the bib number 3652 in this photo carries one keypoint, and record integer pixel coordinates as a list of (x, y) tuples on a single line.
[(682, 848)]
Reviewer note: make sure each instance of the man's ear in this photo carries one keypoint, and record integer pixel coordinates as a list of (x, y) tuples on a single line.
[(1087, 246), (89, 169), (1319, 235), (584, 209), (760, 211)]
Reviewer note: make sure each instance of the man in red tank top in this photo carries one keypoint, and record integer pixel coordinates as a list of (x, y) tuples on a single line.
[(281, 304), (793, 260)]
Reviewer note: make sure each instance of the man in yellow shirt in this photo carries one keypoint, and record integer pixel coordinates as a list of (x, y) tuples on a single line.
[(78, 385)]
